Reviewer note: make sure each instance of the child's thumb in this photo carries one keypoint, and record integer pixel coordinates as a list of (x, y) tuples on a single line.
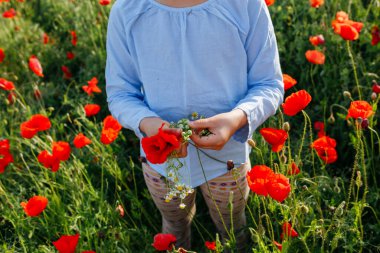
[(200, 123)]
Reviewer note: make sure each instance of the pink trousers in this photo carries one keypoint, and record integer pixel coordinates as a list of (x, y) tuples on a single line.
[(178, 221)]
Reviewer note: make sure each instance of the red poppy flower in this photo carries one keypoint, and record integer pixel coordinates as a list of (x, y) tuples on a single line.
[(278, 245), (70, 55), (92, 86), (320, 127), (278, 187), (74, 38), (104, 2), (210, 245), (48, 161), (110, 131), (35, 124), (120, 210), (316, 3), (376, 88), (11, 97), (325, 148), (11, 13), (289, 81), (294, 170), (317, 40), (35, 66), (91, 109), (375, 32), (61, 150), (341, 16), (2, 55), (275, 137), (163, 241), (269, 2), (360, 109), (315, 57), (347, 29), (81, 140), (66, 72), (158, 147), (45, 38), (288, 230), (5, 156), (66, 243), (296, 102), (257, 178), (6, 85), (35, 205)]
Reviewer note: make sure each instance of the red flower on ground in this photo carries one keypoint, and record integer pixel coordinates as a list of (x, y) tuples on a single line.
[(6, 85), (70, 55), (2, 55), (257, 178), (325, 148), (269, 2), (66, 243), (11, 13), (35, 124), (66, 72), (315, 57), (375, 32), (210, 245), (163, 241), (317, 40), (275, 137), (293, 170), (91, 109), (74, 38), (296, 102), (104, 2), (110, 131), (316, 3), (288, 230), (5, 156), (48, 160), (81, 140), (92, 86), (289, 81), (35, 205), (360, 109), (278, 187), (158, 147), (61, 150), (35, 66)]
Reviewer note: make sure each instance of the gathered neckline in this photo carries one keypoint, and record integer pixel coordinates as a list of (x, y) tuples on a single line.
[(181, 9)]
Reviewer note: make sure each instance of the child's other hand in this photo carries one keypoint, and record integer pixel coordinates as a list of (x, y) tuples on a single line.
[(222, 127), (150, 126)]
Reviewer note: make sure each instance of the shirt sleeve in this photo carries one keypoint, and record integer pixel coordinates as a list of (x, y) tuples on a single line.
[(264, 80), (123, 87)]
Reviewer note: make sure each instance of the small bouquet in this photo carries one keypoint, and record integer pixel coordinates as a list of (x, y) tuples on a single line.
[(162, 148)]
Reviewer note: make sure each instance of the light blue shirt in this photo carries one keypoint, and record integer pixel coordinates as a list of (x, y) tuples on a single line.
[(210, 58)]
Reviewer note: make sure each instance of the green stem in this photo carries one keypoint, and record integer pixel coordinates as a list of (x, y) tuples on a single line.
[(354, 68)]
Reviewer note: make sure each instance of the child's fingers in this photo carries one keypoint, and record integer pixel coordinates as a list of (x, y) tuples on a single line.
[(208, 142), (201, 124)]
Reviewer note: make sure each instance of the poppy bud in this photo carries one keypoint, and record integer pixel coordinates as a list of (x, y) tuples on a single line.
[(373, 96), (304, 209), (336, 189), (331, 119), (252, 143), (347, 94), (304, 187), (230, 165), (365, 124), (286, 126)]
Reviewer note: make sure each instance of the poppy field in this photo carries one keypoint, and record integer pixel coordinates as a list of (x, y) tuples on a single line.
[(71, 177)]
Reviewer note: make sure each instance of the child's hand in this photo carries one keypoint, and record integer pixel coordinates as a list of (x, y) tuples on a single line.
[(222, 127), (151, 125)]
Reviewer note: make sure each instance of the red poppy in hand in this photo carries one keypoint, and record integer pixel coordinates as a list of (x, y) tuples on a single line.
[(360, 109), (296, 102), (66, 243), (35, 124), (163, 241), (289, 81), (35, 206), (158, 147), (81, 140), (275, 137)]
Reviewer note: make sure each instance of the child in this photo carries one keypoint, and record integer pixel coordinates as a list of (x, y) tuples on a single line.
[(169, 58)]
